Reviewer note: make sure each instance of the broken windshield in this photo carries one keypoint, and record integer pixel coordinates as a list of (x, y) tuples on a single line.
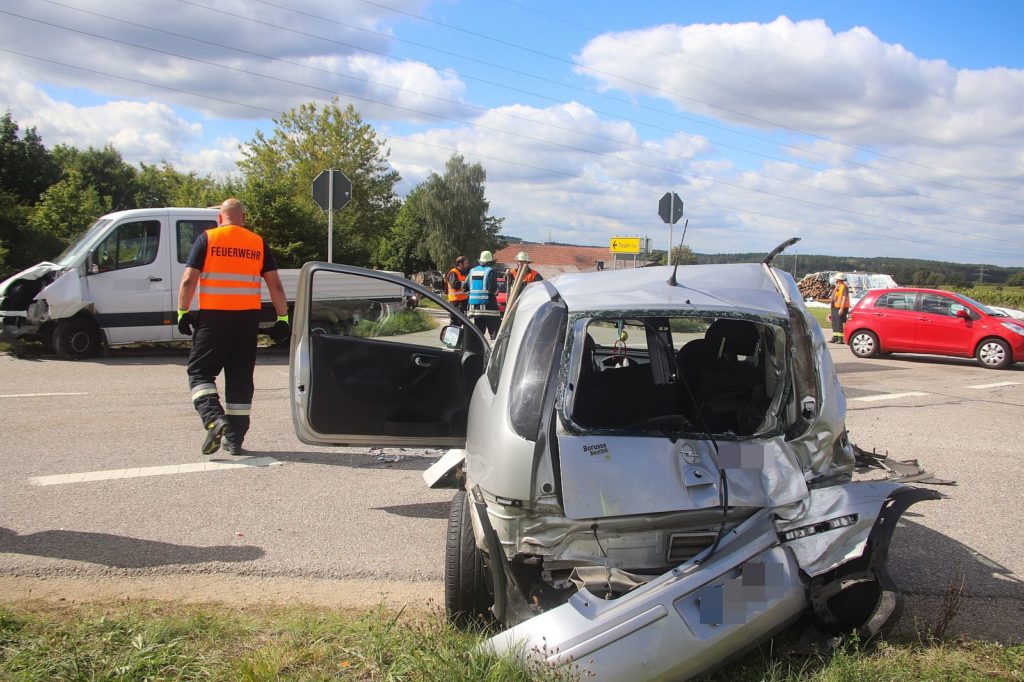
[(679, 374)]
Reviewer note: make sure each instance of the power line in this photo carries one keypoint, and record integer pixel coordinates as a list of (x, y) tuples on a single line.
[(563, 85), (507, 132), (694, 99), (616, 141)]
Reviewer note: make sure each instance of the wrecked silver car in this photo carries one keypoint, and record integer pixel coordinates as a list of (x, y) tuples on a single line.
[(652, 465)]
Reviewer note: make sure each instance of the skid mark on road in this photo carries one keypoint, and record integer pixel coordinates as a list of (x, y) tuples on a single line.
[(165, 470)]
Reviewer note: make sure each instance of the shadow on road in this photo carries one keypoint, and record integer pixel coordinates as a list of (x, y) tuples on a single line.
[(924, 561), (118, 551), (421, 510)]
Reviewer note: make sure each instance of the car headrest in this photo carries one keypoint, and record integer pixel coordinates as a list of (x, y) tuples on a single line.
[(727, 339)]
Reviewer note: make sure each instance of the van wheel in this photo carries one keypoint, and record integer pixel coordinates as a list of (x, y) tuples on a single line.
[(994, 354), (76, 338), (466, 597)]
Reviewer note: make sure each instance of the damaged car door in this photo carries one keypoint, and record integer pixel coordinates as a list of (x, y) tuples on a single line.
[(361, 375)]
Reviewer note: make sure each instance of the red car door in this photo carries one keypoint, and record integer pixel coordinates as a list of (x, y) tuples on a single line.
[(939, 330), (894, 321)]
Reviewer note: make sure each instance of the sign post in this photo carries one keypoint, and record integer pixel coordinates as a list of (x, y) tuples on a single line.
[(332, 190), (670, 208)]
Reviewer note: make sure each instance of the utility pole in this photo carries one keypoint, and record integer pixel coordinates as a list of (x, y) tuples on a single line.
[(981, 275)]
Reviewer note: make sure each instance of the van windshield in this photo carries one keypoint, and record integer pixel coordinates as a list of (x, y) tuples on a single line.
[(79, 247)]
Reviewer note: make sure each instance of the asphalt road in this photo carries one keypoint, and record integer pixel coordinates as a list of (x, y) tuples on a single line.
[(355, 514)]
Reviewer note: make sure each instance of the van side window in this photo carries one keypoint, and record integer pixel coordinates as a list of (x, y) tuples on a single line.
[(186, 233), (130, 245)]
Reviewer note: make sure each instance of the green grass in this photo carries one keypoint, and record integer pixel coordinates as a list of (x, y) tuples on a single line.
[(399, 322), (159, 641), (821, 315)]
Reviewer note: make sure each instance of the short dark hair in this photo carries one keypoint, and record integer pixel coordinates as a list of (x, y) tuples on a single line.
[(461, 259)]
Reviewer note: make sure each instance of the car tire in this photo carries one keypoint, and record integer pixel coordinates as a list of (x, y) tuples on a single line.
[(864, 344), (994, 354), (77, 338), (467, 599)]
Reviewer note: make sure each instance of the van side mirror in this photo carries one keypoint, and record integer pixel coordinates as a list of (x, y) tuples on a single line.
[(91, 267), (451, 335)]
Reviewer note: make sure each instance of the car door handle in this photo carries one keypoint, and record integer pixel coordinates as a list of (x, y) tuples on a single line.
[(156, 279), (423, 360)]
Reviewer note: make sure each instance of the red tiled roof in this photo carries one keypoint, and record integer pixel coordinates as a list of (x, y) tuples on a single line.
[(550, 259)]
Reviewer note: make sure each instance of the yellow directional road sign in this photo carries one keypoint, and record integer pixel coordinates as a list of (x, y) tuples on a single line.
[(625, 245)]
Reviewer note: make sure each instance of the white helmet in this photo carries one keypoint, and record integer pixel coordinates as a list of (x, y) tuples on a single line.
[(486, 257), (522, 257)]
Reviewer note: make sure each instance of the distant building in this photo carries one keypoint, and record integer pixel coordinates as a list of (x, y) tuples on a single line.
[(551, 260)]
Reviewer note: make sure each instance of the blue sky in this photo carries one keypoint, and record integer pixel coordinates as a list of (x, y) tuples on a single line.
[(866, 129)]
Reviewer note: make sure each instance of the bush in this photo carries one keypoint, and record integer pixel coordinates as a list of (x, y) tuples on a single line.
[(395, 324)]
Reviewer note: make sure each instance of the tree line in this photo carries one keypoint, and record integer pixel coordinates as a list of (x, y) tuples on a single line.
[(50, 196)]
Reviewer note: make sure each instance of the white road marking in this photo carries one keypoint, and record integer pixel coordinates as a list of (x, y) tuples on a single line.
[(888, 396), (995, 385), (138, 472), (37, 395)]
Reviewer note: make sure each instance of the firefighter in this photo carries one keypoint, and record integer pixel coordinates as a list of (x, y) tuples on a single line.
[(454, 282), (523, 265), (840, 307), (482, 286), (226, 264)]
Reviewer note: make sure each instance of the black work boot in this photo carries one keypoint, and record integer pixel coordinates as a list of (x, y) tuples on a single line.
[(214, 433), (233, 447)]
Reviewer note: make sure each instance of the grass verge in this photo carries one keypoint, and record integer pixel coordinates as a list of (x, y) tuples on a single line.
[(161, 641)]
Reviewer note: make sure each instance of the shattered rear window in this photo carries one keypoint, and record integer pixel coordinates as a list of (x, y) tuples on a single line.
[(679, 374)]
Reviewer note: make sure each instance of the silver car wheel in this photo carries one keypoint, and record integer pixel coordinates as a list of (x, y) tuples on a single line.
[(993, 353)]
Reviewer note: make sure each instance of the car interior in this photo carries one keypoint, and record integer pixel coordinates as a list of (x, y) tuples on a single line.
[(682, 374)]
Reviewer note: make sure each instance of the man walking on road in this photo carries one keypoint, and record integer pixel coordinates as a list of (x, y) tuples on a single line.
[(226, 264)]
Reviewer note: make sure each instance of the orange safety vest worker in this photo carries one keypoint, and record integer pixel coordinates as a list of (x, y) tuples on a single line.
[(455, 295), (841, 297), (530, 276), (230, 279)]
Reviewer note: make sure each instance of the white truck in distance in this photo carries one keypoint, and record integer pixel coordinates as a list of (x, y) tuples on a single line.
[(118, 284)]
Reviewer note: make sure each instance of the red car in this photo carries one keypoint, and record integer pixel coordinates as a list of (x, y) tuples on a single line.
[(933, 322)]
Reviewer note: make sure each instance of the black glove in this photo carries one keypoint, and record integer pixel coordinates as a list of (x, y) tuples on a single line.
[(281, 329), (186, 324)]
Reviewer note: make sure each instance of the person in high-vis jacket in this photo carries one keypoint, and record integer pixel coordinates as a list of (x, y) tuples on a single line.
[(226, 264), (482, 286), (454, 281), (522, 265), (839, 305)]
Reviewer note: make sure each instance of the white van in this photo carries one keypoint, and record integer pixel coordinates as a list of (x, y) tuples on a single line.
[(118, 284)]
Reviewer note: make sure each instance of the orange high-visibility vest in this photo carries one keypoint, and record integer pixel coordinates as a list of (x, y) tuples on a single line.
[(841, 297), (231, 272), (456, 294), (530, 276)]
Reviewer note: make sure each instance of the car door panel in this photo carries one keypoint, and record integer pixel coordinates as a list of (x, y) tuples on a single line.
[(354, 384), (938, 328)]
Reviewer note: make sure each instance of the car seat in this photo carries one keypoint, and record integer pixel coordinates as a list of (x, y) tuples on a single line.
[(730, 389)]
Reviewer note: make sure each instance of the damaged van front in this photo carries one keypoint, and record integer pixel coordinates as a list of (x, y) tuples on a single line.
[(654, 474)]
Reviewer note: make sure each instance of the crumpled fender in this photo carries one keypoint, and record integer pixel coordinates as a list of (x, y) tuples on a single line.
[(63, 295)]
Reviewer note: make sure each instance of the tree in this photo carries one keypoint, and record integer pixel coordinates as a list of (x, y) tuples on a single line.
[(455, 212), (403, 248), (158, 186), (935, 279), (67, 208), (683, 255), (1016, 279), (101, 169), (26, 167), (920, 277), (279, 170)]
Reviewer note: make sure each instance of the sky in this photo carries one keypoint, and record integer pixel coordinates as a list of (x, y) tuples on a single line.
[(865, 128)]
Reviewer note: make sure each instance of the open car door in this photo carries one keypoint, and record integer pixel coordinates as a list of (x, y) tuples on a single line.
[(366, 371)]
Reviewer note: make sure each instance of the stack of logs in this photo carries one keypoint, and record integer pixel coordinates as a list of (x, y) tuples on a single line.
[(815, 287)]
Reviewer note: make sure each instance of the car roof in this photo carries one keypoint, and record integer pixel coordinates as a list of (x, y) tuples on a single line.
[(743, 287)]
